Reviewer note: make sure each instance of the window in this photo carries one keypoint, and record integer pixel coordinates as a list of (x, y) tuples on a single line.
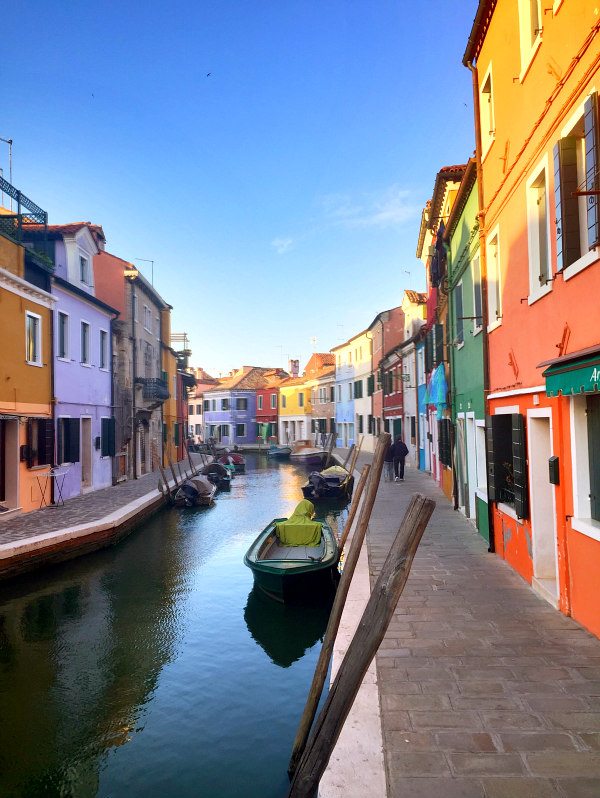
[(538, 229), (40, 442), (85, 343), (213, 404), (107, 437), (459, 336), (300, 399), (507, 463), (241, 404), (190, 410), (176, 433), (413, 429), (206, 404), (359, 423), (358, 390), (198, 429), (147, 318), (339, 393), (63, 336), (67, 435), (224, 404), (530, 31), (370, 424), (444, 437), (273, 401), (84, 270), (199, 410), (486, 112), (157, 327), (349, 356), (371, 385), (283, 400), (103, 349), (350, 391), (576, 167), (33, 339), (494, 281), (259, 402), (477, 302), (240, 430), (332, 393)]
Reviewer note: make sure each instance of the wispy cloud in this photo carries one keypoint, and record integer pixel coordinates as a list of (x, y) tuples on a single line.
[(390, 207), (282, 245)]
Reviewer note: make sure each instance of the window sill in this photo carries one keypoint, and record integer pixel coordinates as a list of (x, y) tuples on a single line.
[(587, 527), (476, 331), (534, 296), (494, 325), (556, 6), (508, 510), (579, 265), (63, 359), (37, 365), (460, 345), (531, 56), (86, 365), (481, 494)]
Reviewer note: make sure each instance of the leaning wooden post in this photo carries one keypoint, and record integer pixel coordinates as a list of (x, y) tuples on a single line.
[(350, 450), (330, 450), (355, 455), (367, 639), (322, 667), (173, 472), (187, 449), (354, 506)]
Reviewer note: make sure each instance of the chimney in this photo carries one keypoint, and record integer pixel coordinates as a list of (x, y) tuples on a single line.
[(294, 368)]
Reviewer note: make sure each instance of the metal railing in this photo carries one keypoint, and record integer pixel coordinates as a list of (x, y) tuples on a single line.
[(153, 388)]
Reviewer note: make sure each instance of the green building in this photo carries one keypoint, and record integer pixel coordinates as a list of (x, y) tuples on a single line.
[(466, 336)]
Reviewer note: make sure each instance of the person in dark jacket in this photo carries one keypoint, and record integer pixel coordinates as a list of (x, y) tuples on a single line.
[(399, 452), (388, 463)]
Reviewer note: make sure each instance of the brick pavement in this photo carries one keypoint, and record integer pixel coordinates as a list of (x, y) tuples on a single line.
[(486, 691), (80, 510)]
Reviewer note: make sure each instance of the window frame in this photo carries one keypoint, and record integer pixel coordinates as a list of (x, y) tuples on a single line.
[(537, 289), (490, 126), (476, 284), (528, 45), (103, 361), (243, 426), (497, 307), (83, 323), (65, 334), (85, 258), (273, 401), (38, 355), (259, 402)]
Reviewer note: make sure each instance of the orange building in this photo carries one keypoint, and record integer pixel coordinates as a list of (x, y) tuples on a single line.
[(26, 425), (536, 82)]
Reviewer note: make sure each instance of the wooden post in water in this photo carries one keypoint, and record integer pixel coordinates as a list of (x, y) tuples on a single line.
[(187, 449), (322, 667), (348, 456), (173, 472), (330, 450), (367, 639), (355, 454), (354, 506)]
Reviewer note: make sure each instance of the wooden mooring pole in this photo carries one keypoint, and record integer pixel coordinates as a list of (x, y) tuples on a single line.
[(348, 456), (322, 667), (357, 493), (367, 639)]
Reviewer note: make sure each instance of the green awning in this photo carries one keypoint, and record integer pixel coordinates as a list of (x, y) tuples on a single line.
[(576, 375)]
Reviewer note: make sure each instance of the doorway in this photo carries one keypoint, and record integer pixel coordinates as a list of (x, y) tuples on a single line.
[(543, 517), (86, 453), (471, 465), (396, 428)]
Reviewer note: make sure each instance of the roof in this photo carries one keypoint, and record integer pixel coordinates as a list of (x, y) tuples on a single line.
[(416, 297), (317, 362), (349, 341), (56, 230), (481, 23), (447, 174), (248, 378), (466, 184)]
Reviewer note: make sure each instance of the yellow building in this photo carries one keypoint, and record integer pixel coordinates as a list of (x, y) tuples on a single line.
[(26, 425), (295, 410), (172, 435)]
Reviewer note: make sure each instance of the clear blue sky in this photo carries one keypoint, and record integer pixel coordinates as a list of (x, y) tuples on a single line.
[(280, 195)]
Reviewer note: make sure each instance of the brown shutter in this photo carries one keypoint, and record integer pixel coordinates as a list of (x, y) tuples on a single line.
[(592, 153), (29, 453), (45, 441), (567, 210)]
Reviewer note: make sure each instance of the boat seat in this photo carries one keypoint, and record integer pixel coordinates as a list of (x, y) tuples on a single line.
[(278, 552)]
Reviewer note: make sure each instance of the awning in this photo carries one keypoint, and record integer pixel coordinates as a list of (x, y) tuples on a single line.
[(576, 373)]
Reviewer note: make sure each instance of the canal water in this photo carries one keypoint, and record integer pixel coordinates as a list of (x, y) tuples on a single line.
[(153, 668)]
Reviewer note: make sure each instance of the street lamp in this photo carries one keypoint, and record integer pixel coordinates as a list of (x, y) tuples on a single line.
[(145, 260)]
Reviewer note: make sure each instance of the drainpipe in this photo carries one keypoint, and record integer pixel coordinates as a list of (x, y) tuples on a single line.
[(134, 367), (483, 269)]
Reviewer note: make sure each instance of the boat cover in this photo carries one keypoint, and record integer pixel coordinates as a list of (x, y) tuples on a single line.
[(300, 529), (202, 485), (335, 471)]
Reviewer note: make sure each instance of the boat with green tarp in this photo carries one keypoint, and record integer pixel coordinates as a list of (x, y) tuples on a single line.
[(294, 557)]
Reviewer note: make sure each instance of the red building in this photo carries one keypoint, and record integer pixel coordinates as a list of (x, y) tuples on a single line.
[(267, 404), (387, 330)]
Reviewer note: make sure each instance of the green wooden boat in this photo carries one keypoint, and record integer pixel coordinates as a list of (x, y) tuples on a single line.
[(289, 573)]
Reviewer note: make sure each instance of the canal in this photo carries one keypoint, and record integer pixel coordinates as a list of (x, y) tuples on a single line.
[(154, 668)]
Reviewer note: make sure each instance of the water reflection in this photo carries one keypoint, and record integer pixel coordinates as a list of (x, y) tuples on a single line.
[(285, 631)]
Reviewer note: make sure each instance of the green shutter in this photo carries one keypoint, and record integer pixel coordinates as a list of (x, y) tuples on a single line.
[(566, 205), (429, 351), (72, 440), (519, 463), (438, 331), (176, 433), (107, 446), (371, 385), (592, 153), (593, 430)]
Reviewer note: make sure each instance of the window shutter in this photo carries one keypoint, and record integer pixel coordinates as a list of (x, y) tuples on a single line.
[(519, 461), (492, 471), (72, 455), (592, 154), (593, 430), (438, 331), (29, 454), (176, 433), (107, 446), (165, 432), (371, 385), (567, 212), (45, 441), (429, 351)]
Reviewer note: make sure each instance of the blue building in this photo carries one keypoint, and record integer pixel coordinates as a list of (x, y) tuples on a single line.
[(345, 376), (422, 406)]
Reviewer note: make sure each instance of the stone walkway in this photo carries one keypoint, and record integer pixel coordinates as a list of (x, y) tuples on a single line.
[(486, 691)]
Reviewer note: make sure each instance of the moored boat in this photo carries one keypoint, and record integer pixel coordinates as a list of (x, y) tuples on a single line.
[(334, 482), (279, 452), (196, 491), (218, 474), (294, 557), (234, 459), (304, 452)]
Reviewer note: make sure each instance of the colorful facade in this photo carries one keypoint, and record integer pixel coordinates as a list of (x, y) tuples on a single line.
[(535, 74), (267, 406), (386, 332), (295, 410)]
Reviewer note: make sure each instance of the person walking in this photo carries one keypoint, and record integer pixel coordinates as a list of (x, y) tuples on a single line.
[(388, 463), (399, 452)]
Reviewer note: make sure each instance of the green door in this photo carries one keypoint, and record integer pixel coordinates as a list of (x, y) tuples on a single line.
[(593, 425), (396, 428)]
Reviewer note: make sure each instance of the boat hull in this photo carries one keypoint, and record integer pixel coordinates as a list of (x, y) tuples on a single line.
[(343, 491)]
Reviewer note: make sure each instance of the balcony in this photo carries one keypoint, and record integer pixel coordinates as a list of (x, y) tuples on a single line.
[(28, 216), (154, 389)]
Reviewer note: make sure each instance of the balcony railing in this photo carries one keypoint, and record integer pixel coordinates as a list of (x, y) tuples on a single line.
[(153, 388), (28, 215)]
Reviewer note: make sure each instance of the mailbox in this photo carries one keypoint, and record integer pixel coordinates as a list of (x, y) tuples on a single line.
[(553, 470)]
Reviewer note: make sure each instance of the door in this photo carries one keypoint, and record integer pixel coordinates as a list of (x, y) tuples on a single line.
[(86, 452), (543, 526), (471, 465), (396, 428)]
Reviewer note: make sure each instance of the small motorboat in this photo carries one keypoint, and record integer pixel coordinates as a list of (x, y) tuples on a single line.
[(305, 452), (331, 483), (294, 557), (235, 459), (218, 474), (279, 452), (196, 491)]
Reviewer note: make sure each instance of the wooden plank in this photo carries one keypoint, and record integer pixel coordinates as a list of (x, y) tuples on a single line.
[(369, 634), (338, 605)]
